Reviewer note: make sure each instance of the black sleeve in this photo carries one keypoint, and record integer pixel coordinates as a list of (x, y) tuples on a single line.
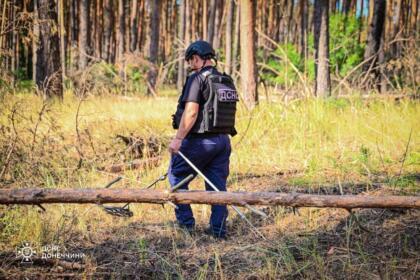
[(193, 90)]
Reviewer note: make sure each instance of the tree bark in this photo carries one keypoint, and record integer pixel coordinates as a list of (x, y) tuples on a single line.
[(154, 44), (4, 20), (14, 39), (374, 38), (171, 28), (181, 34), (333, 6), (108, 27), (48, 66), (62, 38), (34, 40), (193, 23), (98, 29), (42, 196), (218, 22), (141, 29), (248, 60), (303, 28), (321, 39), (396, 27), (210, 23), (236, 40), (282, 21), (84, 33), (413, 16), (360, 20), (290, 33), (133, 25), (204, 20), (271, 20), (121, 32), (228, 41), (370, 8), (187, 37), (348, 6), (259, 20)]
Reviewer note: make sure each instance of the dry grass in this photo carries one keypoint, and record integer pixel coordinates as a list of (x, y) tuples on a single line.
[(308, 145)]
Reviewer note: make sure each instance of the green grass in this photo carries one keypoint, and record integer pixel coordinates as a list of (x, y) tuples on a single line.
[(317, 141)]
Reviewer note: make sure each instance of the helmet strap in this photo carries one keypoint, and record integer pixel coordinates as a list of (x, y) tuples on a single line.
[(204, 62)]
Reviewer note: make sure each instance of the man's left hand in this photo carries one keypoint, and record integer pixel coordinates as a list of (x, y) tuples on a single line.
[(175, 145)]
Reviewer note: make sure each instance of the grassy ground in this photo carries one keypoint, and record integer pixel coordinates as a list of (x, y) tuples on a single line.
[(341, 145)]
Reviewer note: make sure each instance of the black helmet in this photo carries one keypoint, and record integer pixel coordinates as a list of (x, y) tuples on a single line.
[(201, 48)]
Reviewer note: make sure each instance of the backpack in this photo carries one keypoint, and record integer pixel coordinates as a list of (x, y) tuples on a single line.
[(220, 107)]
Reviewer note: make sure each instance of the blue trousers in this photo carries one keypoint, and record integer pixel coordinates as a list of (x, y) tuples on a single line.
[(210, 155)]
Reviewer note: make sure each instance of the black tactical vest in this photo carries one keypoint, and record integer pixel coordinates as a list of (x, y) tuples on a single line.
[(217, 114)]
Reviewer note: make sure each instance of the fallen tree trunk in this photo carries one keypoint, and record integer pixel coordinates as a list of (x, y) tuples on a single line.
[(41, 196)]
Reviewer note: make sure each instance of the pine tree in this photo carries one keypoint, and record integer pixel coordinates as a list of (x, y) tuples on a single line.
[(321, 39), (248, 60)]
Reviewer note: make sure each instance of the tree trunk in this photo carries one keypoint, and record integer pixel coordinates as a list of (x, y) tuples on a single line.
[(14, 38), (259, 18), (333, 6), (34, 41), (100, 196), (154, 44), (282, 21), (248, 60), (303, 28), (290, 34), (374, 38), (218, 22), (141, 29), (108, 27), (210, 24), (121, 33), (84, 33), (62, 38), (382, 86), (360, 21), (181, 34), (133, 25), (48, 66), (396, 27), (4, 20), (371, 7), (236, 40), (271, 20), (71, 32), (187, 38), (98, 29), (171, 28), (413, 16), (204, 23), (74, 21), (346, 6), (193, 16), (321, 39), (228, 41)]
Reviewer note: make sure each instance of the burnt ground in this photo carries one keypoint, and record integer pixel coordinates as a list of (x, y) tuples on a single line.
[(305, 243)]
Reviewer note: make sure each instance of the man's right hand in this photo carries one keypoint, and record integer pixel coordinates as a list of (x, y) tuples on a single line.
[(175, 145)]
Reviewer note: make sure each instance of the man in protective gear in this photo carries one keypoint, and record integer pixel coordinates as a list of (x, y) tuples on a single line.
[(204, 119)]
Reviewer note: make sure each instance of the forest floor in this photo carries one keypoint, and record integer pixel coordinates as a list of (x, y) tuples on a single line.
[(338, 147)]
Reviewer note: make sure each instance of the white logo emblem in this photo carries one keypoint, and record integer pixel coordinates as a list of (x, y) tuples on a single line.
[(26, 252), (227, 95)]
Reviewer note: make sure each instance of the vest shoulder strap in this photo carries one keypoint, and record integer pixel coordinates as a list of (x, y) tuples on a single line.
[(206, 73)]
